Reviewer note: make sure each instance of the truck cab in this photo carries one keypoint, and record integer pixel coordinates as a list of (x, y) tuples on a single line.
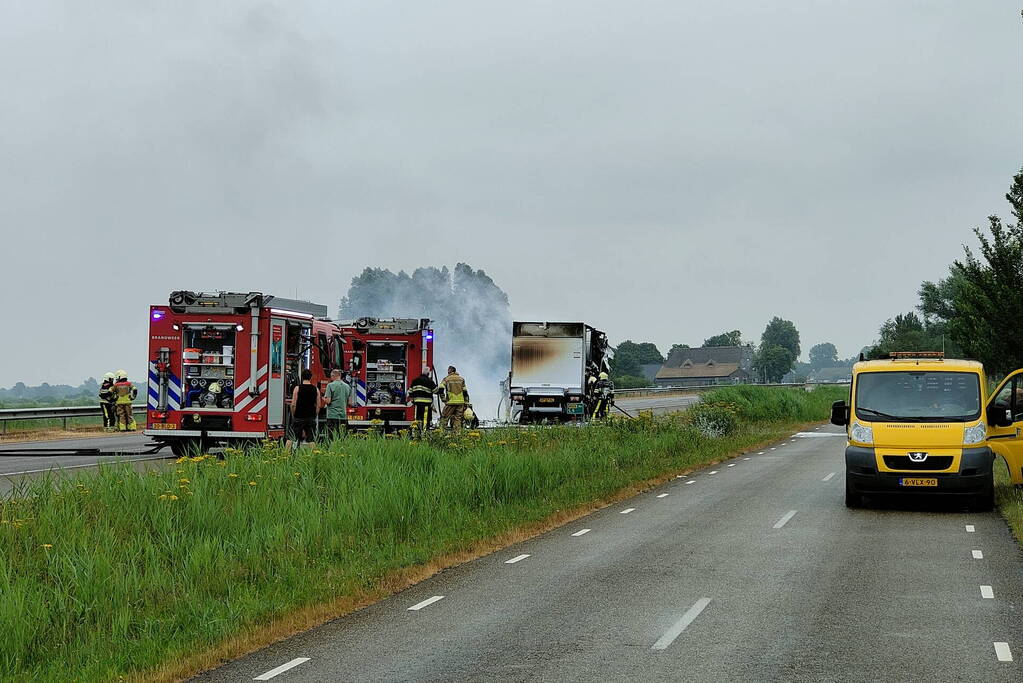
[(918, 423)]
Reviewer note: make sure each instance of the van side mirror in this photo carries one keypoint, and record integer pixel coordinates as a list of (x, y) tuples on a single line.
[(839, 413), (999, 416)]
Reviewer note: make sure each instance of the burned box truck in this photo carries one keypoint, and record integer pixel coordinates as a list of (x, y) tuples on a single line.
[(551, 367)]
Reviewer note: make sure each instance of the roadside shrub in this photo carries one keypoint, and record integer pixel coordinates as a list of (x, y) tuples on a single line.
[(714, 419)]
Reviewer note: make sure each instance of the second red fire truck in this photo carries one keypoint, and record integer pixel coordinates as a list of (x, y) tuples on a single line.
[(222, 366)]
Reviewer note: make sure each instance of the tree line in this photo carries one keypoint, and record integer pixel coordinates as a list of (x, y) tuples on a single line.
[(976, 310)]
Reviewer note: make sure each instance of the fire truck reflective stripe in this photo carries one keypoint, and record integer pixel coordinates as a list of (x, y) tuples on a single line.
[(258, 407), (240, 405), (360, 393), (173, 390)]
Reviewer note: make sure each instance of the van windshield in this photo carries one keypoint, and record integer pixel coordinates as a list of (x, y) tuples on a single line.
[(918, 396)]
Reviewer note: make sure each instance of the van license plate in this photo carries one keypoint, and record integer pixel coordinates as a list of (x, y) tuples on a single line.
[(918, 482)]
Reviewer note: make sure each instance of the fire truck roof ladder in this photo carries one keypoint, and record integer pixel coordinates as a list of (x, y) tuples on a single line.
[(183, 301)]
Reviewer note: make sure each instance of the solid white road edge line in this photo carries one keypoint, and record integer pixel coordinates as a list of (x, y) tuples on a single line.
[(987, 592), (515, 559), (425, 603), (681, 625), (977, 555), (1003, 652), (90, 464), (970, 528), (581, 532), (663, 495), (281, 669), (627, 510), (828, 478), (785, 518)]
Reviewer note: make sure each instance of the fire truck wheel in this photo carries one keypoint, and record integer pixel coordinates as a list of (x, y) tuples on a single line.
[(183, 447)]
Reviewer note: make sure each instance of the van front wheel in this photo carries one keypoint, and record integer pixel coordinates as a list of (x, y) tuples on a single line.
[(852, 499), (985, 500)]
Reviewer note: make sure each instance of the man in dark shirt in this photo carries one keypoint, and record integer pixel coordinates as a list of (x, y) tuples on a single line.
[(305, 404)]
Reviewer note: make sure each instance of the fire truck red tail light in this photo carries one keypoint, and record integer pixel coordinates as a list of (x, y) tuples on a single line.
[(253, 417), (160, 415)]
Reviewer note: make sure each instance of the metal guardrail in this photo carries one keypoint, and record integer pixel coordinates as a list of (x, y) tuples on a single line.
[(709, 387), (59, 413)]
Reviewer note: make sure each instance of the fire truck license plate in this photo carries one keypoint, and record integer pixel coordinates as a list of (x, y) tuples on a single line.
[(918, 482), (548, 400), (164, 425)]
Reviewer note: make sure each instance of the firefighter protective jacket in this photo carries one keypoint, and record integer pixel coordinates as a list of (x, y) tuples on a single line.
[(422, 389)]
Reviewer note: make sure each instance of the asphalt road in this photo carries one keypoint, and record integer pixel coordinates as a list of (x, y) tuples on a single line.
[(656, 404), (753, 570), (17, 459)]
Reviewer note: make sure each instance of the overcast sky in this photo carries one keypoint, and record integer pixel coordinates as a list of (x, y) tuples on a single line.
[(662, 170)]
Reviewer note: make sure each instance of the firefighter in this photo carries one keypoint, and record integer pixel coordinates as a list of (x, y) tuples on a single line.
[(106, 402), (604, 396), (456, 396), (124, 394), (420, 393)]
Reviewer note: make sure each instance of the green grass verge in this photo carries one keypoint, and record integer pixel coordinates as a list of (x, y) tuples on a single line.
[(1009, 499), (118, 572)]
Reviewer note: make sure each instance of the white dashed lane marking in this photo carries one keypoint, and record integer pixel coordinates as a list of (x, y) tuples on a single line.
[(987, 592), (691, 481), (828, 478), (663, 495), (425, 603), (581, 532), (681, 625), (714, 472), (731, 464), (281, 669), (970, 528), (517, 558), (977, 555), (627, 510), (785, 518), (1003, 652)]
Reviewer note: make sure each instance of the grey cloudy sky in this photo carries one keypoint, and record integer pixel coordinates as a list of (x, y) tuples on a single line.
[(664, 170)]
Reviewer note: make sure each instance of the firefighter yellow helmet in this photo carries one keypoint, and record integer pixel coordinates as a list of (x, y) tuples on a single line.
[(603, 375), (213, 388), (469, 415)]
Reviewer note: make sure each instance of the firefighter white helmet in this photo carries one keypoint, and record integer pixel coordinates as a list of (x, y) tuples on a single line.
[(108, 375), (121, 374), (468, 415)]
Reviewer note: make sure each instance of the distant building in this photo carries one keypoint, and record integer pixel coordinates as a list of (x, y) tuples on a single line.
[(707, 365)]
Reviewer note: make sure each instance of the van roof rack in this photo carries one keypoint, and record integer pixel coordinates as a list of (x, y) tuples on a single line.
[(906, 355)]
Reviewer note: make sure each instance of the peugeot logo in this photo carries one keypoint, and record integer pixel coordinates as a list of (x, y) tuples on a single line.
[(917, 456)]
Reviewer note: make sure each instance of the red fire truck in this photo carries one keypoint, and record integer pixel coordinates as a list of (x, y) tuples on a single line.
[(222, 366)]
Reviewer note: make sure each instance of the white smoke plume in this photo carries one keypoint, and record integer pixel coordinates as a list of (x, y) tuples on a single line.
[(472, 320)]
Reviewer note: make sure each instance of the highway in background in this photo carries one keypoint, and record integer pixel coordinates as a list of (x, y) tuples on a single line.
[(127, 448), (751, 570)]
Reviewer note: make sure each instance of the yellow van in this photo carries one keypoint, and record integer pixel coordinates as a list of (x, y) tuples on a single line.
[(920, 423)]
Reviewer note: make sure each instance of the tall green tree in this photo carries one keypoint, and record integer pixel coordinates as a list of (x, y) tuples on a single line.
[(979, 306), (733, 338), (630, 357), (781, 333), (823, 355), (905, 332), (773, 362)]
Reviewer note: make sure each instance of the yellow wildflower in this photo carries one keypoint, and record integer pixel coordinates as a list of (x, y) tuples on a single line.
[(163, 496), (252, 483), (47, 545), (184, 481), (232, 475), (172, 497)]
